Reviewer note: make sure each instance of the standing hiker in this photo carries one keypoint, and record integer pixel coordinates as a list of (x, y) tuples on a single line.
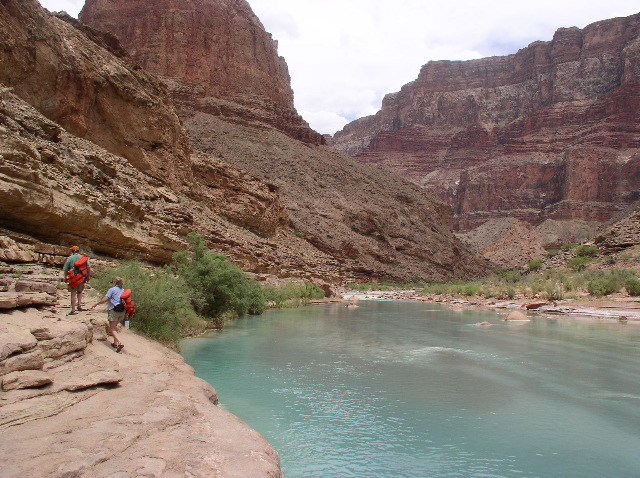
[(115, 312), (76, 273)]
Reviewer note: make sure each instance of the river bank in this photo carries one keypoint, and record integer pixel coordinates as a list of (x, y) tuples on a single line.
[(619, 307), (71, 406)]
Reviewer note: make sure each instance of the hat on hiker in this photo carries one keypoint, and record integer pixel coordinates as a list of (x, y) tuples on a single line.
[(75, 248)]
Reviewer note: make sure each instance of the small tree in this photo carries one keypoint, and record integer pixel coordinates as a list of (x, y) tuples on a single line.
[(218, 286), (163, 304), (578, 263)]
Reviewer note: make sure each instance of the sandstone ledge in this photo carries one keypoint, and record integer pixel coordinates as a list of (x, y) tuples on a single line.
[(90, 412)]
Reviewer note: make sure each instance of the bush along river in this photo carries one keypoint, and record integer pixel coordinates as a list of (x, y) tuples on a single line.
[(408, 389)]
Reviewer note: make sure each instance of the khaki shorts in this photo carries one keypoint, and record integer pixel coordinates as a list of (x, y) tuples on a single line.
[(114, 316), (78, 289)]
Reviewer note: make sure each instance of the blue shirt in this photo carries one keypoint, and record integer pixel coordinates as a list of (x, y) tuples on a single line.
[(113, 295)]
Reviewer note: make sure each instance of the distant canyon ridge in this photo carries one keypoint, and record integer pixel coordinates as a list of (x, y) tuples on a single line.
[(546, 140)]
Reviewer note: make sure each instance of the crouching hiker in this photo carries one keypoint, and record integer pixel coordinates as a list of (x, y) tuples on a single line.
[(115, 310)]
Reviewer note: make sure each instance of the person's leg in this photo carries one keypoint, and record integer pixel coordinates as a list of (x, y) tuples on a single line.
[(114, 317), (79, 297), (74, 300), (113, 329)]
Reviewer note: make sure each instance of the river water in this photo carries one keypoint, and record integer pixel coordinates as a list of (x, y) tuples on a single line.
[(409, 389)]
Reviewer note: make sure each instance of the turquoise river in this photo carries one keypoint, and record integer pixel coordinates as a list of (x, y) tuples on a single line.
[(410, 389)]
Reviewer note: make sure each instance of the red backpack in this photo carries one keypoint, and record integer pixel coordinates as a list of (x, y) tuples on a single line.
[(129, 306), (79, 273)]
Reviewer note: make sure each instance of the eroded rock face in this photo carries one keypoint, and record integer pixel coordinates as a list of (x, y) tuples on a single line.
[(276, 205), (623, 234), (551, 132), (213, 54), (84, 87), (354, 219)]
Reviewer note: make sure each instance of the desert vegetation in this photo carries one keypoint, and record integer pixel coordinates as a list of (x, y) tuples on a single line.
[(198, 291), (583, 275)]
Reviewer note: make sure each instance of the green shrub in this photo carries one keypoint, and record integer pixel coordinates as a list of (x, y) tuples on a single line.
[(553, 291), (605, 283), (292, 294), (586, 251), (163, 305), (217, 286), (568, 246), (578, 263), (510, 276), (553, 252), (534, 264), (470, 289), (633, 286)]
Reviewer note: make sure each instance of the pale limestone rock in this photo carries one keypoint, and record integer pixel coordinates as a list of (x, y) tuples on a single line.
[(22, 285), (8, 300), (25, 379), (15, 341), (154, 419), (11, 251), (100, 377), (65, 337), (32, 360)]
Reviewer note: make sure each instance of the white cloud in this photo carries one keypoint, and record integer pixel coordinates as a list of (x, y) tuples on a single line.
[(72, 7), (345, 55), (324, 120)]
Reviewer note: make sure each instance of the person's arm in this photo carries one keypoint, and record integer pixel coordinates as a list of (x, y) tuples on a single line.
[(66, 268), (104, 299)]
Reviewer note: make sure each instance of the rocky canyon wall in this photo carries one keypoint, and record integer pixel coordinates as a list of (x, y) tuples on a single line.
[(90, 89), (215, 56), (549, 133), (96, 152)]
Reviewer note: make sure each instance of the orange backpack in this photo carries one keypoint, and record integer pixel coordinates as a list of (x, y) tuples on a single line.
[(79, 273), (129, 306)]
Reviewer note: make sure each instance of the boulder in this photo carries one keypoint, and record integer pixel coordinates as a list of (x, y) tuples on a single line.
[(516, 316), (32, 360), (25, 379)]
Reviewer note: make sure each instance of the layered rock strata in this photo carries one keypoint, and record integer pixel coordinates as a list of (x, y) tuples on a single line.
[(214, 55), (273, 203), (551, 132), (90, 90)]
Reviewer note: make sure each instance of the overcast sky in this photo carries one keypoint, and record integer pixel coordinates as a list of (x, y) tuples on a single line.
[(345, 55)]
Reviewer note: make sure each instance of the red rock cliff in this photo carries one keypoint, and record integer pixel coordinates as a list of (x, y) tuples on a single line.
[(214, 54), (276, 205), (552, 131)]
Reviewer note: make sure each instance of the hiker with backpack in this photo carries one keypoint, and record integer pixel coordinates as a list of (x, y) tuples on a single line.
[(76, 273), (116, 310)]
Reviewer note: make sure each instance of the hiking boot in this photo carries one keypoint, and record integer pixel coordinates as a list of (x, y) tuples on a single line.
[(119, 348)]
